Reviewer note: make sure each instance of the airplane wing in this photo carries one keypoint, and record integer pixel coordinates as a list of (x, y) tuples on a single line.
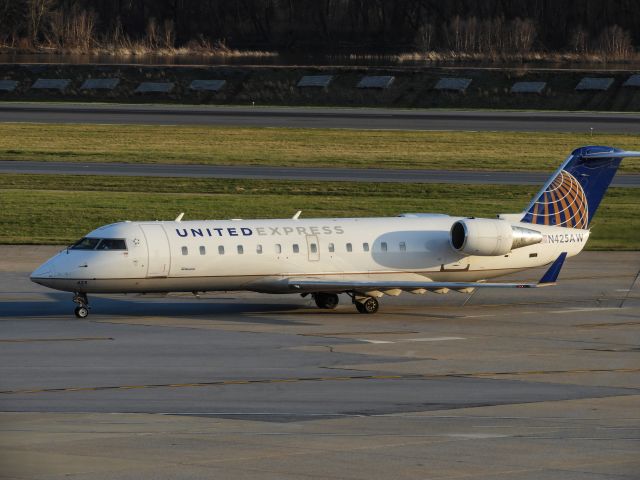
[(309, 283)]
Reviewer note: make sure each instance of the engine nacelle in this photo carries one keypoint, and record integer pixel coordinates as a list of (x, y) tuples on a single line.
[(487, 237)]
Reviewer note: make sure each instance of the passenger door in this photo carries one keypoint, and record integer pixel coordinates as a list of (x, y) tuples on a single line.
[(313, 247), (158, 247)]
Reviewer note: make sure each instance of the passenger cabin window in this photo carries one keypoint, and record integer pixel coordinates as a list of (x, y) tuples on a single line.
[(349, 247), (240, 249), (313, 247), (365, 246), (258, 249), (383, 246), (221, 249), (332, 248), (278, 248), (185, 251), (403, 247), (296, 248), (203, 250)]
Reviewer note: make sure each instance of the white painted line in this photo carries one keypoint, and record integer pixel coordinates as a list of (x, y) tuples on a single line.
[(433, 339), (373, 341), (594, 309), (479, 316), (427, 339), (476, 436)]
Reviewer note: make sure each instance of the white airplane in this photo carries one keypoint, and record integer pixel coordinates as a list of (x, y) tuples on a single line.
[(365, 258)]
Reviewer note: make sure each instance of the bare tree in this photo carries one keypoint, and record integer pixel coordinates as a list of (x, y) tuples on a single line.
[(153, 33), (168, 34), (614, 42), (37, 12), (579, 40), (522, 34), (424, 36), (487, 27)]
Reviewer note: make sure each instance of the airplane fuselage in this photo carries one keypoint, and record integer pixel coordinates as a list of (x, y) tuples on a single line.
[(260, 255)]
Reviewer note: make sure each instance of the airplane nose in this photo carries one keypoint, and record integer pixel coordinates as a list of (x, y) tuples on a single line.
[(45, 271)]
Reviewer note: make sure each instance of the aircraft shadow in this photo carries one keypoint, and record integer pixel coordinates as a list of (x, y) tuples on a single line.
[(60, 304)]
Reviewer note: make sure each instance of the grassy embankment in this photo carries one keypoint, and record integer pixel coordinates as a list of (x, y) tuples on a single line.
[(59, 209), (299, 147)]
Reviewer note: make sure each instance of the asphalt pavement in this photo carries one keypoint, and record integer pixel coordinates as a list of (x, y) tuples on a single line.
[(310, 117), (534, 383), (292, 173)]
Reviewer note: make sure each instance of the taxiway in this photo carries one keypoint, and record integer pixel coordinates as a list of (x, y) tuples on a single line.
[(541, 384), (311, 117), (292, 173)]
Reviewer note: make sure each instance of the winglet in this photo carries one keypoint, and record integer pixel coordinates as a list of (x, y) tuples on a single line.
[(551, 275)]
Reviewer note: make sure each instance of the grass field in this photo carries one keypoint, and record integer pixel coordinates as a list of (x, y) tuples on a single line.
[(40, 209), (298, 147)]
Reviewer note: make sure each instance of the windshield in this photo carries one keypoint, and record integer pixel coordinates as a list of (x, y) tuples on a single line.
[(85, 244), (112, 244), (88, 243)]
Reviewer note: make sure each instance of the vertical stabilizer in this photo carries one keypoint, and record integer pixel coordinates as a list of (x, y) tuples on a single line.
[(572, 195)]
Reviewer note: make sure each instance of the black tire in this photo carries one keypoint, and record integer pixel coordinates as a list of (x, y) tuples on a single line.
[(369, 306), (327, 301), (81, 312)]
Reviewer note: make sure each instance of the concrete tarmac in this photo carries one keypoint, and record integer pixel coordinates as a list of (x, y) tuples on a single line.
[(532, 384), (293, 173), (315, 117)]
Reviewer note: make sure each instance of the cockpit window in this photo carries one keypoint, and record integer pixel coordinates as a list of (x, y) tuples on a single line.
[(85, 244), (88, 243), (112, 244)]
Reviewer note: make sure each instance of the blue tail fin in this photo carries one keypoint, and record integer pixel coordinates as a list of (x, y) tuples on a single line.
[(573, 193)]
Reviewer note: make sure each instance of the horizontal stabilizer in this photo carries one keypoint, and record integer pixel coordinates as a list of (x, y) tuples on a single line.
[(612, 154)]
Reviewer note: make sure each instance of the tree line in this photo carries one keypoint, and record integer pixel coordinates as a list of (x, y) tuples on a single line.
[(327, 26)]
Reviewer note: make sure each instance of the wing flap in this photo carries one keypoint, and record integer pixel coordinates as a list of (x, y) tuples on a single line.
[(417, 286), (343, 286)]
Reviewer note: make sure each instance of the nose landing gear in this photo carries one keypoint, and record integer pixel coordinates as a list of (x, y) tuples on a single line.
[(364, 304), (82, 310), (368, 305)]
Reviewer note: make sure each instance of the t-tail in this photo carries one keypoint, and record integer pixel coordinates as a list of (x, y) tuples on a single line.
[(572, 195)]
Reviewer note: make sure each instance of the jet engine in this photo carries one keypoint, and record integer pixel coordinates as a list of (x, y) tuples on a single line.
[(487, 237)]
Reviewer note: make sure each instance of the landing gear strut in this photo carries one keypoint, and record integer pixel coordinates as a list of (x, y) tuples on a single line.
[(367, 305), (328, 301), (82, 310)]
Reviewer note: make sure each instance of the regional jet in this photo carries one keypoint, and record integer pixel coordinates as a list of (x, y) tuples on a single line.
[(365, 258)]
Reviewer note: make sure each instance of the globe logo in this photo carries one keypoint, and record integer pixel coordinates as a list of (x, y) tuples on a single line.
[(562, 204)]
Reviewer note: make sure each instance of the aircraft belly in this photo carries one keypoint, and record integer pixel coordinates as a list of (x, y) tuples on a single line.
[(144, 285)]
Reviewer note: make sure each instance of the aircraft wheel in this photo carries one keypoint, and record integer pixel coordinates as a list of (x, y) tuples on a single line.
[(81, 312), (328, 301), (370, 305)]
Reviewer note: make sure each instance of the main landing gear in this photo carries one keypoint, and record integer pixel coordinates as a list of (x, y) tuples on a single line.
[(82, 310), (328, 301)]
